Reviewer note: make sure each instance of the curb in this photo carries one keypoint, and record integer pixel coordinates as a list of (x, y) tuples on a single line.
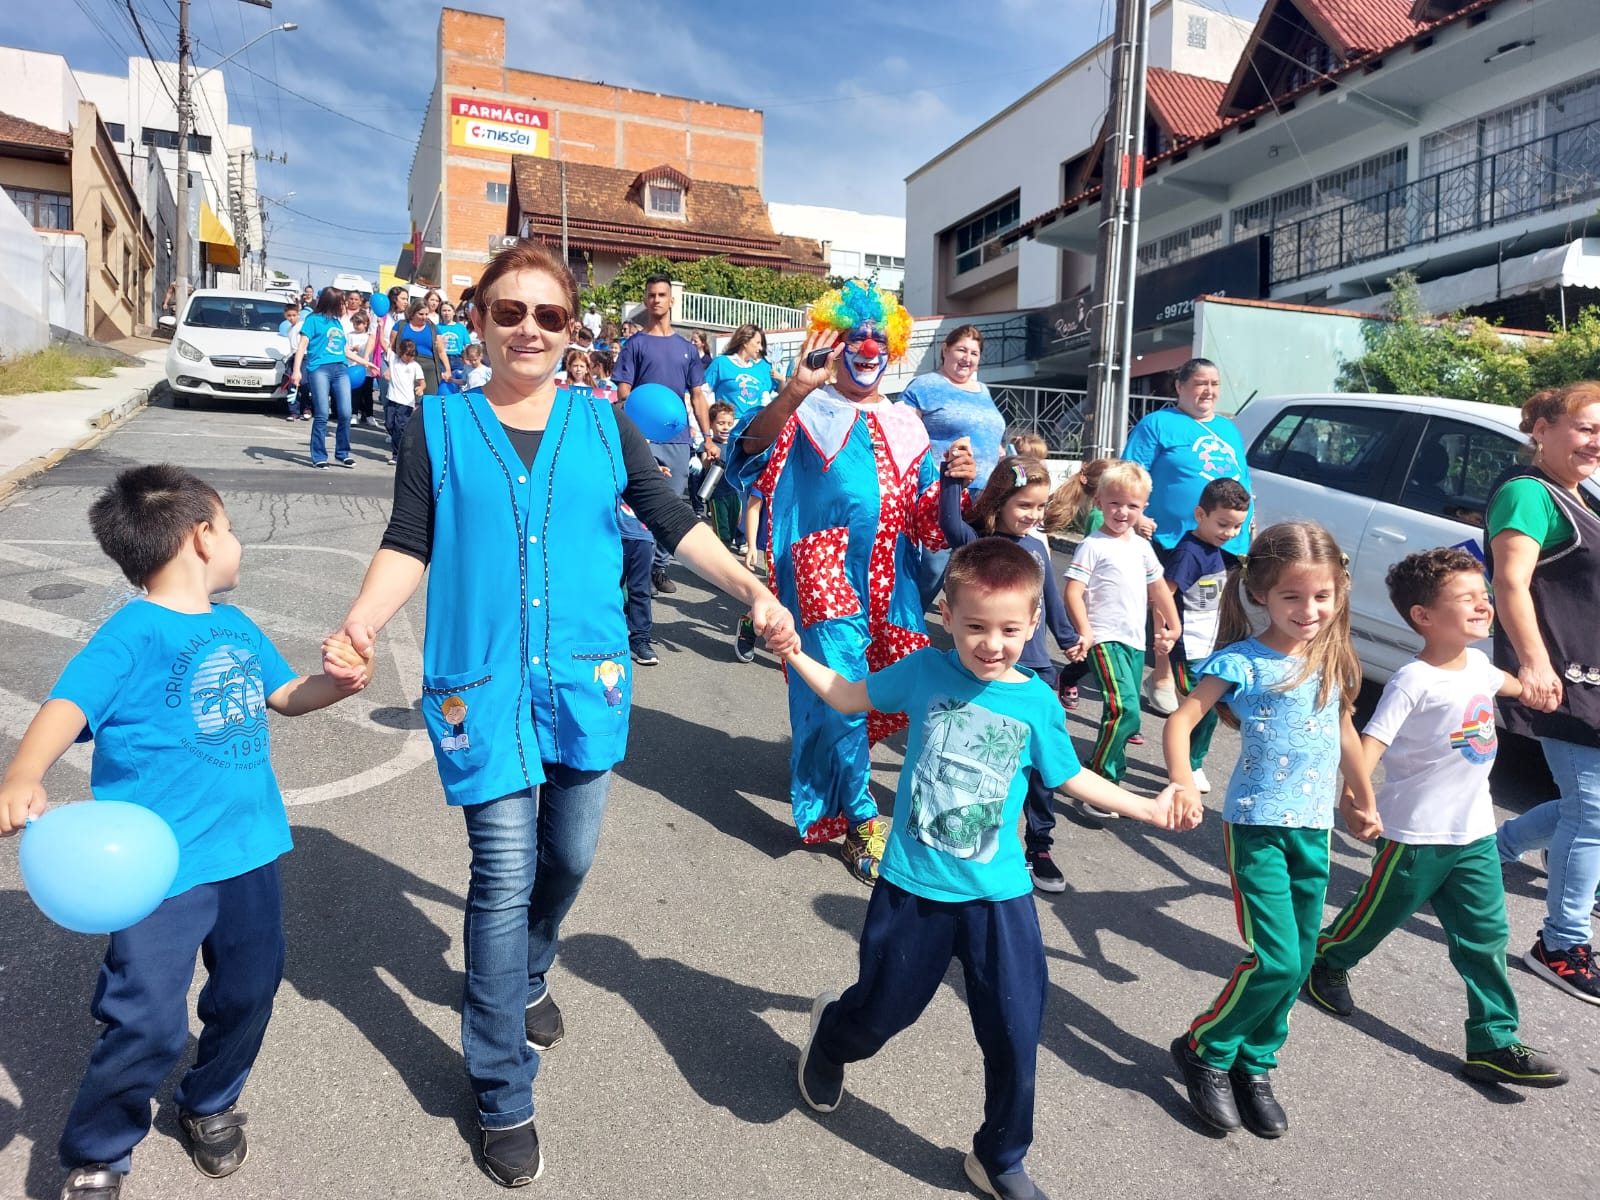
[(100, 423)]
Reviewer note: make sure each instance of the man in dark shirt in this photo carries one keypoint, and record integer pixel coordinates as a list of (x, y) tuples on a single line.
[(658, 355)]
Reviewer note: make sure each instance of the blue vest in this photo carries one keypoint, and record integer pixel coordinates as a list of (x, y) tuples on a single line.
[(525, 659)]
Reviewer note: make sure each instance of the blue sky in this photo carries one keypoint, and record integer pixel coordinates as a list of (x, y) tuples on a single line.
[(856, 95)]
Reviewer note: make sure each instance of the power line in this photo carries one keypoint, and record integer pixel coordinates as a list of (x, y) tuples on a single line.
[(318, 104), (337, 225), (150, 54)]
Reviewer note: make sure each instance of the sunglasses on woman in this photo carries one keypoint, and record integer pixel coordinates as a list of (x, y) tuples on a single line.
[(508, 314)]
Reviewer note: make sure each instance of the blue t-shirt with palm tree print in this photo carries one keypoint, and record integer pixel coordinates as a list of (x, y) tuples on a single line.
[(968, 752), (176, 704)]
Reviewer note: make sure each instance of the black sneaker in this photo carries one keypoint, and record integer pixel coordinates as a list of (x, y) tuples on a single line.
[(321, 466), (661, 584), (1329, 988), (1210, 1090), (1259, 1109), (1571, 970), (1515, 1063), (512, 1156), (347, 462), (216, 1143), (541, 1021), (821, 1083), (1047, 877), (96, 1181), (744, 640), (645, 655), (1013, 1185)]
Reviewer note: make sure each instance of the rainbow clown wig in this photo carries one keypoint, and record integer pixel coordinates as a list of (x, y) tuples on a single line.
[(855, 304)]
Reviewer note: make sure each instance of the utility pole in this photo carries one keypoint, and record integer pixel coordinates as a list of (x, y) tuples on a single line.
[(1122, 177), (181, 295)]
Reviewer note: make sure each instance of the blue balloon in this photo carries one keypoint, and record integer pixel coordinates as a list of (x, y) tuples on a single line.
[(380, 304), (658, 411), (358, 375), (98, 866)]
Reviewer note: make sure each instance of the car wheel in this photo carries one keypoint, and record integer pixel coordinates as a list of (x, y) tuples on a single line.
[(180, 399)]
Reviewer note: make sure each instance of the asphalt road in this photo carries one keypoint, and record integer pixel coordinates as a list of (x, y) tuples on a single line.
[(691, 958)]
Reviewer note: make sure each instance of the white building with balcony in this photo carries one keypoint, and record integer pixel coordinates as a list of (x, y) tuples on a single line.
[(857, 245)]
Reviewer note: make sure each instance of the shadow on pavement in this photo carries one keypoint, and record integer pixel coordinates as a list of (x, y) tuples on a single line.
[(713, 1029)]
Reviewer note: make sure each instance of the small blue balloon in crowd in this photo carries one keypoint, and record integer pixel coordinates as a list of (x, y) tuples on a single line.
[(98, 866), (380, 304), (358, 375), (658, 411)]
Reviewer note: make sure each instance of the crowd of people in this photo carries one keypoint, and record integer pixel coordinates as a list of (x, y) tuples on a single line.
[(525, 495)]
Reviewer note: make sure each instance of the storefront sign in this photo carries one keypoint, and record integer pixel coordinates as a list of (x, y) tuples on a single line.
[(1167, 295), (495, 125)]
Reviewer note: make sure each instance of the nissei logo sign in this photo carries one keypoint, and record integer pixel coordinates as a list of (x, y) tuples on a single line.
[(494, 125)]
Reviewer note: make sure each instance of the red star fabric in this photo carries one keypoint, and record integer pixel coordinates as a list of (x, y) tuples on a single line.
[(823, 589)]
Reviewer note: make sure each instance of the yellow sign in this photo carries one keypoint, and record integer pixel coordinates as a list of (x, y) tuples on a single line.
[(494, 125)]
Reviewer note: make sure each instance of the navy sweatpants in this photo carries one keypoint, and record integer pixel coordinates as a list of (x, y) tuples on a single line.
[(142, 999), (637, 561), (906, 946), (1039, 807)]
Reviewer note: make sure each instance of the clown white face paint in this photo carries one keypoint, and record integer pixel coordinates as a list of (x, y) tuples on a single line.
[(866, 356)]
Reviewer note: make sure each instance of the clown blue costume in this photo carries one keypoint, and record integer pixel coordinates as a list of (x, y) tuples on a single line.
[(852, 493)]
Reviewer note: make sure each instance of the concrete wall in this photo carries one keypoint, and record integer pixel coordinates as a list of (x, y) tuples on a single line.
[(850, 236), (106, 210), (38, 87), (23, 324)]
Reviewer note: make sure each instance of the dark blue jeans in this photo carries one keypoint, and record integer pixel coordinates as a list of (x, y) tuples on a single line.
[(637, 560), (142, 999), (530, 853), (329, 380), (907, 943)]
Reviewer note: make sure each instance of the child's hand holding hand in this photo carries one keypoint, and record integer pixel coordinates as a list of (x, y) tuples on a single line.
[(1168, 808), (1364, 823), (959, 465), (1078, 651), (18, 802), (1193, 810), (346, 665), (752, 556), (1165, 639)]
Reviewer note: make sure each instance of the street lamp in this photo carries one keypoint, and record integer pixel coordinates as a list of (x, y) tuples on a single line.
[(181, 293)]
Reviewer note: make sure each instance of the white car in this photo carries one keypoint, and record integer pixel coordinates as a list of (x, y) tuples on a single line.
[(1387, 476), (226, 345)]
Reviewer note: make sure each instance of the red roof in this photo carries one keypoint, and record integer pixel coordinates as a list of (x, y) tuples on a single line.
[(1356, 26), (1184, 105), (14, 131)]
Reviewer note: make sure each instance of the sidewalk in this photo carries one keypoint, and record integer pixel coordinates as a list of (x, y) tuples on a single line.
[(39, 429)]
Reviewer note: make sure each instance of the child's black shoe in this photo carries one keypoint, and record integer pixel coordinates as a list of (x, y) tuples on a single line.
[(1515, 1063), (542, 1024), (216, 1143), (821, 1082), (1210, 1090), (1330, 989), (1047, 877), (512, 1157), (93, 1182), (1259, 1109), (1013, 1185)]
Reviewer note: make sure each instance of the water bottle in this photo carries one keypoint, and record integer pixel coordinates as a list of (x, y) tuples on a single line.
[(708, 481)]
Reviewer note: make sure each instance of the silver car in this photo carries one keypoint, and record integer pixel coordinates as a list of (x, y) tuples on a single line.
[(228, 345)]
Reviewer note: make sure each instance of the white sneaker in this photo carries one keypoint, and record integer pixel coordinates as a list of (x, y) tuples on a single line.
[(1201, 783), (1163, 700)]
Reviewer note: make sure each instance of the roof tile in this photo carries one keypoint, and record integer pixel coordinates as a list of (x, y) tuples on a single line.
[(1185, 105), (15, 131)]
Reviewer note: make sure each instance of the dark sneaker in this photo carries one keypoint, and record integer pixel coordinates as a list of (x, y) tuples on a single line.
[(1013, 1185), (1047, 877), (93, 1182), (863, 849), (216, 1143), (821, 1083), (1571, 970), (347, 462), (512, 1156), (1515, 1063), (1259, 1109), (1329, 988), (1210, 1090), (321, 466), (645, 655), (661, 584), (1069, 698), (541, 1021), (744, 640)]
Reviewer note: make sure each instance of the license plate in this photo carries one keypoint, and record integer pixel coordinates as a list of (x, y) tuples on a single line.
[(242, 380)]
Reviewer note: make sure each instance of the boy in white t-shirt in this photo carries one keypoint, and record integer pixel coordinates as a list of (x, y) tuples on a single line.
[(405, 389), (1112, 583), (1436, 722)]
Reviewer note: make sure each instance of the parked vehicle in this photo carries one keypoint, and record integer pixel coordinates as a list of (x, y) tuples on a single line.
[(227, 345), (1387, 476)]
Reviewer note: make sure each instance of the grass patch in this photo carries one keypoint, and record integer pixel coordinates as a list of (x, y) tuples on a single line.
[(53, 369)]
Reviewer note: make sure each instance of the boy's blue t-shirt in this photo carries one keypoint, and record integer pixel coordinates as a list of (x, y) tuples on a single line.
[(671, 361), (746, 388), (1288, 769), (966, 775), (324, 340), (950, 412), (177, 707), (1191, 454)]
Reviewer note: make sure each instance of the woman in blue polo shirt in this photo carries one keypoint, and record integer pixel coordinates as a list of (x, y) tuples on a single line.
[(319, 356), (511, 496)]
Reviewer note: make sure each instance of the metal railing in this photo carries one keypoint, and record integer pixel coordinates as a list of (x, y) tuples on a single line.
[(726, 312), (1547, 173), (1058, 414)]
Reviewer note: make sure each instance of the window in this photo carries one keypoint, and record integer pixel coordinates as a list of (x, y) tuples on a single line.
[(167, 139), (224, 312), (497, 193), (666, 200), (885, 262), (1455, 469), (116, 130), (975, 239), (127, 269), (108, 236), (1347, 448), (42, 210), (1359, 182), (1181, 246), (1197, 33)]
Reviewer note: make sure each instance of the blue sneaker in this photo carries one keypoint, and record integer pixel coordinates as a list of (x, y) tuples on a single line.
[(1013, 1185)]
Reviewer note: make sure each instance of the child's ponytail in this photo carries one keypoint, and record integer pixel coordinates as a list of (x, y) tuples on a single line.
[(1070, 503)]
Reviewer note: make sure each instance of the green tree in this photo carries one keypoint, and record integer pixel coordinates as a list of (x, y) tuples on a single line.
[(714, 276)]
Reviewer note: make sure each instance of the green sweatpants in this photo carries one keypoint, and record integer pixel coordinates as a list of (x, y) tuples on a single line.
[(1200, 739), (1117, 668), (1280, 879), (1464, 887)]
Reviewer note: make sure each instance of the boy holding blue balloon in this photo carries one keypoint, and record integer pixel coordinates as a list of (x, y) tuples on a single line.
[(174, 692)]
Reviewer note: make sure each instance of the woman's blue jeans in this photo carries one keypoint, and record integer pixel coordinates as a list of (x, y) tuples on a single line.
[(530, 853), (334, 378), (1570, 828)]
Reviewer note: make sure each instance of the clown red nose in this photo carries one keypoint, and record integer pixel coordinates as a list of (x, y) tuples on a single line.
[(868, 349)]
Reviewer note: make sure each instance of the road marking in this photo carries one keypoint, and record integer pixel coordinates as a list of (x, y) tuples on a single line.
[(16, 714), (44, 622)]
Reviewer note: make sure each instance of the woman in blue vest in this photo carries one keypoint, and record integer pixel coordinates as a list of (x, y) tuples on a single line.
[(511, 496)]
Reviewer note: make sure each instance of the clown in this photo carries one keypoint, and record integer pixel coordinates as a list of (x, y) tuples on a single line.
[(853, 501)]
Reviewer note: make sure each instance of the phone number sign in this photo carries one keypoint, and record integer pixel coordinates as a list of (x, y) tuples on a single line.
[(495, 125)]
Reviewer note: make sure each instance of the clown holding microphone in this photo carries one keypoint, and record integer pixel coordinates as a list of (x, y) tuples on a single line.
[(852, 491)]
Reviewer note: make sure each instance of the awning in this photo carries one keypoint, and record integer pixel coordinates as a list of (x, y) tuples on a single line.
[(1576, 264), (220, 248)]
